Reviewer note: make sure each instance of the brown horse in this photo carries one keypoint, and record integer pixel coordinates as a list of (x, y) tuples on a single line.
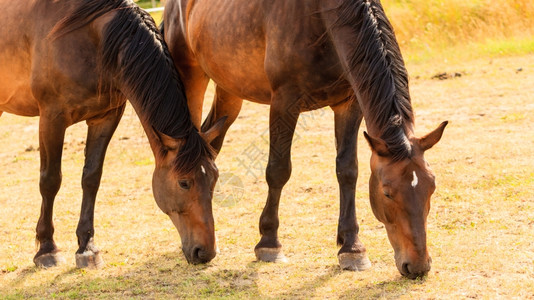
[(68, 61), (302, 55)]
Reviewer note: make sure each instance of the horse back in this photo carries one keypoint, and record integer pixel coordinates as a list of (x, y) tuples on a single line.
[(251, 48), (40, 71)]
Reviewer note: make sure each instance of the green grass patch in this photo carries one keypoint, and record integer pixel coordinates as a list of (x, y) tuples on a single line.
[(511, 46)]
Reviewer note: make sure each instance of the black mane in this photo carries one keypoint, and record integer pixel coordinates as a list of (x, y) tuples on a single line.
[(134, 52), (382, 77)]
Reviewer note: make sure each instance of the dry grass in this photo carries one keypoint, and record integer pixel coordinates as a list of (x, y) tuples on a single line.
[(481, 225)]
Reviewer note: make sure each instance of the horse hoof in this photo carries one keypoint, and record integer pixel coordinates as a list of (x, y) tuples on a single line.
[(89, 259), (48, 260), (354, 261), (270, 255)]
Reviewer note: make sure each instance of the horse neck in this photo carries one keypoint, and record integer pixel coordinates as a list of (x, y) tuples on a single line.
[(162, 109), (134, 52), (373, 65), (136, 57)]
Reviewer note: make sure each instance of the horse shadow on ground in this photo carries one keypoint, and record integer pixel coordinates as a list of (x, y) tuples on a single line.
[(388, 289), (24, 274), (168, 274)]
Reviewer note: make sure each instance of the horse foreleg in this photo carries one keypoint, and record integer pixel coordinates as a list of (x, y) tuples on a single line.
[(194, 79), (99, 134), (52, 127), (347, 118), (282, 121), (195, 82), (224, 105)]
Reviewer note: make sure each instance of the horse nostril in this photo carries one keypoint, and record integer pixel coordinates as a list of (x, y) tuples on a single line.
[(405, 270), (413, 271), (200, 255), (196, 254)]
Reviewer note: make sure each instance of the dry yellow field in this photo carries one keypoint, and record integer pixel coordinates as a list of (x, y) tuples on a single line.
[(481, 225)]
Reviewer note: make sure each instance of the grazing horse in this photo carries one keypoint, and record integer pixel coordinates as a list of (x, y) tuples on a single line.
[(68, 61), (302, 55)]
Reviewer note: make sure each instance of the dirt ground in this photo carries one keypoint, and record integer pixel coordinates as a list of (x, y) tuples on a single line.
[(480, 227)]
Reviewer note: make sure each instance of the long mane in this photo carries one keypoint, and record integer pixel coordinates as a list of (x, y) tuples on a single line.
[(133, 51), (382, 76)]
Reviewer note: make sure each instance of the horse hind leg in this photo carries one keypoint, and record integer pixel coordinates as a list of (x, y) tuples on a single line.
[(99, 134), (51, 135), (352, 255)]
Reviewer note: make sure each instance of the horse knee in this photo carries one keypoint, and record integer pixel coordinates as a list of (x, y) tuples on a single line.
[(91, 179), (49, 183), (277, 174), (346, 174)]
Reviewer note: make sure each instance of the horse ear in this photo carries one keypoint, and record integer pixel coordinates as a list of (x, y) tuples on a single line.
[(214, 130), (377, 145), (432, 138), (166, 141)]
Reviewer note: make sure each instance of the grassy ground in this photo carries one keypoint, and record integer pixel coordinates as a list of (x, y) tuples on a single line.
[(481, 225)]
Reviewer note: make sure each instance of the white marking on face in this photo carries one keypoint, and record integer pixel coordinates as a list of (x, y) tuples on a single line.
[(415, 180), (203, 170)]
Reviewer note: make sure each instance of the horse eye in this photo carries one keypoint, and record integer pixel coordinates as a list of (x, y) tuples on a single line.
[(388, 195), (185, 184)]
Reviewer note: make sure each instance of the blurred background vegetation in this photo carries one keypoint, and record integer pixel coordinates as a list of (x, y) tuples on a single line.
[(430, 29), (149, 3)]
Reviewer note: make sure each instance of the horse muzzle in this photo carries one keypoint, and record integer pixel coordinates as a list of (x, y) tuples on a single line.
[(415, 268), (199, 254)]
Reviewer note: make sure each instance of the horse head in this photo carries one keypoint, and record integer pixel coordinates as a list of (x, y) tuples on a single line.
[(400, 192), (186, 195)]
